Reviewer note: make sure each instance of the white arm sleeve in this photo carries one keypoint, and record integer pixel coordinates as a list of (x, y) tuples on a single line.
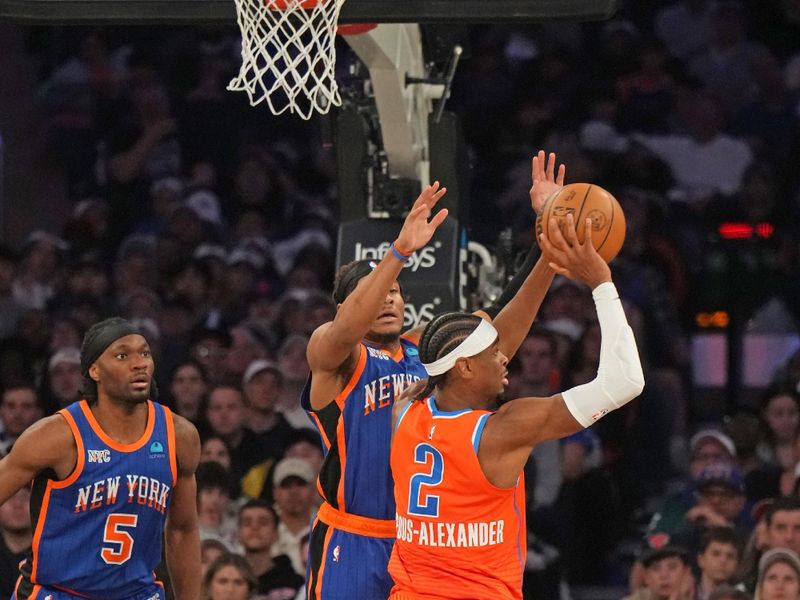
[(619, 376)]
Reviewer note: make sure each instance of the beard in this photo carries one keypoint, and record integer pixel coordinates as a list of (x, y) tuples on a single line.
[(385, 338), (498, 401)]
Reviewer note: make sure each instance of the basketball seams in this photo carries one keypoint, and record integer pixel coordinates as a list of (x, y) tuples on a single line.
[(583, 203), (610, 227)]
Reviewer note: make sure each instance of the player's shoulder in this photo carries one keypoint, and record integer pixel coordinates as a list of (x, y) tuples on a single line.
[(49, 437), (187, 443), (185, 430)]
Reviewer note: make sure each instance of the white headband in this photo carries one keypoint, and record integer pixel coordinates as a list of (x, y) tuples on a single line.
[(475, 343)]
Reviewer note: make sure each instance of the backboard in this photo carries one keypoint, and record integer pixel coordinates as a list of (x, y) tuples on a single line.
[(354, 11)]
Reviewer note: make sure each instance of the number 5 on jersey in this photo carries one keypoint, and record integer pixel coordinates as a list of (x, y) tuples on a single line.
[(120, 540), (421, 503)]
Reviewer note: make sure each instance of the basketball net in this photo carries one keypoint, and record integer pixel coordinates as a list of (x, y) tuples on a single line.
[(289, 54)]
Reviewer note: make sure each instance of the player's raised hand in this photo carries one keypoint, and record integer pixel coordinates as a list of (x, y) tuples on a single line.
[(545, 181), (571, 258), (417, 229)]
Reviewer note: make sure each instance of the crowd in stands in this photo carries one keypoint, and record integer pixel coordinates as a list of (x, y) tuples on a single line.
[(212, 226)]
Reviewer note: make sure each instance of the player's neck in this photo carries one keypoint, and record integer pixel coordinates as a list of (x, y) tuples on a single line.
[(123, 422), (455, 396)]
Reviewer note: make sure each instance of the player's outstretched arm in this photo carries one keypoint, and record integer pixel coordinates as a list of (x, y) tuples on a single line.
[(182, 536), (522, 298), (47, 444), (332, 343), (520, 424)]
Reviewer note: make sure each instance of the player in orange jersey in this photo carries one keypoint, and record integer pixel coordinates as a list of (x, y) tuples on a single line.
[(457, 467)]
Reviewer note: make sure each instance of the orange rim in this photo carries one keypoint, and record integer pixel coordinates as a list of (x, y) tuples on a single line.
[(355, 28)]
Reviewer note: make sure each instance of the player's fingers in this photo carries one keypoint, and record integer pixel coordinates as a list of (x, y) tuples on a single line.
[(562, 170), (587, 232), (570, 235), (550, 249), (427, 194), (439, 218), (560, 270), (555, 236), (436, 197), (551, 165)]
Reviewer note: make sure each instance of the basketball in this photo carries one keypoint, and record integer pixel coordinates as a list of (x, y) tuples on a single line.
[(584, 200)]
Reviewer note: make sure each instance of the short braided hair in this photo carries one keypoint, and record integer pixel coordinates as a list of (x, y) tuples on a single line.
[(440, 336)]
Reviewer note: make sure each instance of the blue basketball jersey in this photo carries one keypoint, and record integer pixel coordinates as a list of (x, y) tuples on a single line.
[(98, 532), (356, 429)]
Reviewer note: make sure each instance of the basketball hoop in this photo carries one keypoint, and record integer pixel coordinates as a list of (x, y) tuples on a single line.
[(289, 54)]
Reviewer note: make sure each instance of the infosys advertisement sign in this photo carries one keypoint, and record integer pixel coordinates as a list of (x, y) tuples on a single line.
[(430, 277)]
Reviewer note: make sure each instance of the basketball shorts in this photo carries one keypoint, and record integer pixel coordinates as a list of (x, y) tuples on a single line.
[(41, 592), (345, 566)]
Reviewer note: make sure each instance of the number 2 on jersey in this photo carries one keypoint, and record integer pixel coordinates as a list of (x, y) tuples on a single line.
[(420, 502), (121, 541)]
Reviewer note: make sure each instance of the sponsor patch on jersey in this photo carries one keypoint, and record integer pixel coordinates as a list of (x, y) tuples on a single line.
[(157, 450), (99, 456), (412, 352)]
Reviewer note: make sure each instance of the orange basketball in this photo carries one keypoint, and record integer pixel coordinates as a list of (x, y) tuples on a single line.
[(584, 200)]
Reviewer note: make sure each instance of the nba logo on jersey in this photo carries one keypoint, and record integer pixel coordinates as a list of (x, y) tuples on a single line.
[(48, 597), (99, 456), (336, 551)]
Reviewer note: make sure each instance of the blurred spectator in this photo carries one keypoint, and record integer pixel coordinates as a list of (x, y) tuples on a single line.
[(685, 26), (305, 444), (225, 414), (779, 527), (708, 447), (294, 367), (762, 479), (16, 535), (262, 384), (294, 494), (721, 502), (778, 575), (10, 308), (210, 550), (209, 347), (718, 560), (187, 390), (142, 149), (267, 429), (780, 413), (214, 449), (727, 592), (727, 66), (229, 577), (704, 160), (64, 376), (20, 407), (258, 532), (214, 488), (35, 282), (245, 348), (666, 575), (590, 510)]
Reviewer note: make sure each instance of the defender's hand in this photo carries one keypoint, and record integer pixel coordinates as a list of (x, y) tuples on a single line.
[(544, 182), (417, 230)]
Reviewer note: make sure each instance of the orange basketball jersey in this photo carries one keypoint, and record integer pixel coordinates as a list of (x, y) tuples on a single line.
[(458, 536)]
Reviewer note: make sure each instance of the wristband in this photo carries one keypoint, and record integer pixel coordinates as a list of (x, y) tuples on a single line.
[(399, 255)]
